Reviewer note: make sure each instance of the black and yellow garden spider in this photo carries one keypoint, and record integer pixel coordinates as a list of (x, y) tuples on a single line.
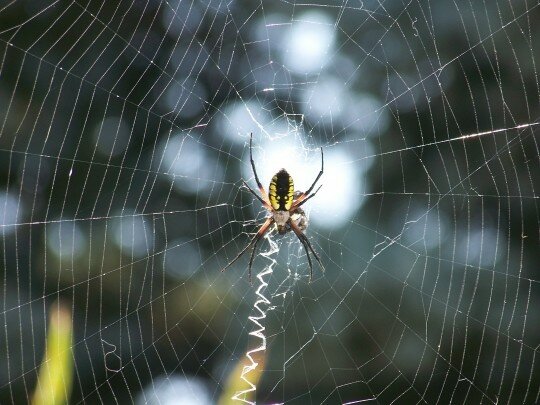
[(283, 205)]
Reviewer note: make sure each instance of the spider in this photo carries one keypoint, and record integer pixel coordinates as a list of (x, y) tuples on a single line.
[(283, 205)]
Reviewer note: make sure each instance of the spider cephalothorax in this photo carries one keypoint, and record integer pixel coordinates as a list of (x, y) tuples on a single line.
[(283, 205)]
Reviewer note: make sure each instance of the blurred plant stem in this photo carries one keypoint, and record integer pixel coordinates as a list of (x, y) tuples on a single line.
[(56, 371)]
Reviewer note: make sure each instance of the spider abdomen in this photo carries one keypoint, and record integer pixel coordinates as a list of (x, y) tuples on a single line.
[(281, 192)]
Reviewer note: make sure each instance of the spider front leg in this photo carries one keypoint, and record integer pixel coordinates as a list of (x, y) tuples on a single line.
[(307, 195), (264, 198)]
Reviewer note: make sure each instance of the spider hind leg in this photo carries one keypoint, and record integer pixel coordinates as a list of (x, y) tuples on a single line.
[(307, 247), (253, 243)]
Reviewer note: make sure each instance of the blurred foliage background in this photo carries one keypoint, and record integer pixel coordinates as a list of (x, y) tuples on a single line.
[(123, 130)]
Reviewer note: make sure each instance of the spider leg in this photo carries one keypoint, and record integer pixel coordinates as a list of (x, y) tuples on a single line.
[(264, 203), (261, 188), (253, 243), (302, 199), (307, 246), (319, 175), (307, 195), (252, 257), (303, 242)]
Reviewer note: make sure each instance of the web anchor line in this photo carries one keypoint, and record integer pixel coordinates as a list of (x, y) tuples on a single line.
[(261, 308)]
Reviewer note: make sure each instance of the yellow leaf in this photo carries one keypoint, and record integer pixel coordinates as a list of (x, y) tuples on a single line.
[(56, 371), (237, 386)]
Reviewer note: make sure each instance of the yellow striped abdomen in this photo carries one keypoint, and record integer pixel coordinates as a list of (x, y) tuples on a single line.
[(281, 191)]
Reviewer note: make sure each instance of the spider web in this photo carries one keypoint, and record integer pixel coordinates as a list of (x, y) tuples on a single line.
[(123, 145)]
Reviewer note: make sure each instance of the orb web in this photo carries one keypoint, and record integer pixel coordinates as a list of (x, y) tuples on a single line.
[(124, 143)]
